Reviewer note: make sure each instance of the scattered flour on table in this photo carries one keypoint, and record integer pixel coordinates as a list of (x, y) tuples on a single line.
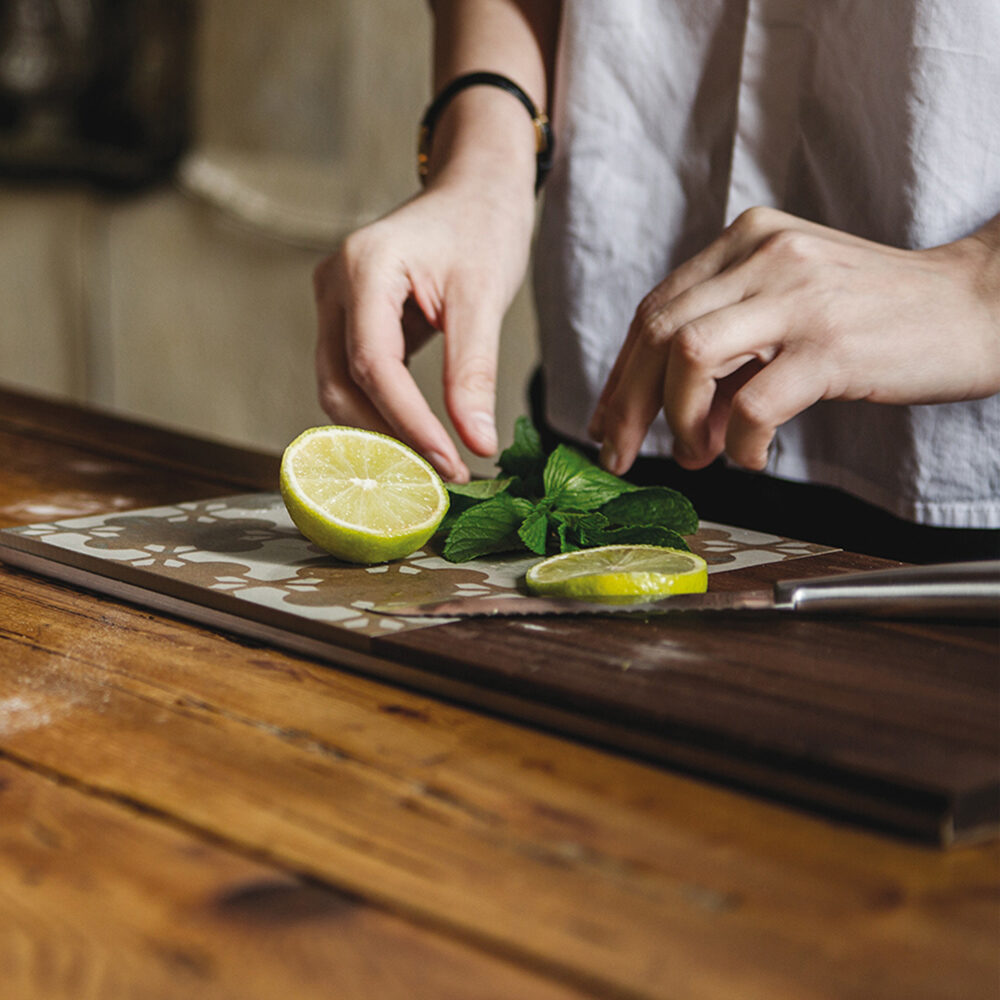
[(20, 714)]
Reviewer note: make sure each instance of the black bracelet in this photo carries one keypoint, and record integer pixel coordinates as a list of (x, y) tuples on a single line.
[(544, 141)]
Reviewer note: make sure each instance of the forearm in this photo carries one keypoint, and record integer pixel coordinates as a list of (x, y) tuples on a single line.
[(980, 255), (988, 237), (484, 134), (514, 37)]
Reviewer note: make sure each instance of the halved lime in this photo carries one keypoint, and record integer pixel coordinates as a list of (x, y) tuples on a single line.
[(363, 497), (619, 572)]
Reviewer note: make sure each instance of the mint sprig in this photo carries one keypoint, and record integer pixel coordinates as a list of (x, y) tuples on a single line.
[(490, 526), (558, 503)]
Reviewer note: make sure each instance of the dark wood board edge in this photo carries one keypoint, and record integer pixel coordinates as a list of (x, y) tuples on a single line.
[(921, 813), (216, 609), (938, 814), (823, 564)]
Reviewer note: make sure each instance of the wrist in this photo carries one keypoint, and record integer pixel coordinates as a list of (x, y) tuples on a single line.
[(484, 134), (987, 242), (978, 255), (982, 256)]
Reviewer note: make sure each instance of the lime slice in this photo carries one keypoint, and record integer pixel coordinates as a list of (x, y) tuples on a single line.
[(363, 497), (619, 572)]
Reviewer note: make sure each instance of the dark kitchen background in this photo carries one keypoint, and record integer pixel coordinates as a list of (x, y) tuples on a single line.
[(170, 173)]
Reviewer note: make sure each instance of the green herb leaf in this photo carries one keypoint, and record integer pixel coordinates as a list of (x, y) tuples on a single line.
[(653, 505), (525, 457), (462, 496), (571, 526), (567, 536), (562, 465), (573, 482), (489, 526), (558, 504), (634, 534), (534, 530), (479, 489)]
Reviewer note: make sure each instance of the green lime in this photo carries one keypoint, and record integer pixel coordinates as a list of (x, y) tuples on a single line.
[(619, 572), (363, 497)]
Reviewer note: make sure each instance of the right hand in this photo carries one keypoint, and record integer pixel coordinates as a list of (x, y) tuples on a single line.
[(449, 260)]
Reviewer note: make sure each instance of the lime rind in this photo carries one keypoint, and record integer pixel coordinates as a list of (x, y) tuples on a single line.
[(619, 573), (362, 496)]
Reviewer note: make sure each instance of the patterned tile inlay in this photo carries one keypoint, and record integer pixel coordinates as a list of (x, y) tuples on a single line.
[(247, 546)]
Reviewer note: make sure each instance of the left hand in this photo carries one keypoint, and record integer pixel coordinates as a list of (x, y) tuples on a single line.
[(778, 313)]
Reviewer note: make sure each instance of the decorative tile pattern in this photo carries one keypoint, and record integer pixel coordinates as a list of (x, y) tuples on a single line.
[(247, 547)]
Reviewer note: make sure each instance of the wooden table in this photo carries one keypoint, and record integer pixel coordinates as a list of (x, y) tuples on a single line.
[(186, 814)]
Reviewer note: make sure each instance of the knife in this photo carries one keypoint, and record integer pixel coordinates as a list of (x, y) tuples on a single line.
[(969, 590)]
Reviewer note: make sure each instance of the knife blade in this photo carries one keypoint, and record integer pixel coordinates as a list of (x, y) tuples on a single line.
[(968, 590)]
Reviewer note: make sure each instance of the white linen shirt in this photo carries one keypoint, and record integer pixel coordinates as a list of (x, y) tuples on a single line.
[(878, 117)]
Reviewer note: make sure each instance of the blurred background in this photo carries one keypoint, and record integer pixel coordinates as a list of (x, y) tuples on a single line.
[(170, 173)]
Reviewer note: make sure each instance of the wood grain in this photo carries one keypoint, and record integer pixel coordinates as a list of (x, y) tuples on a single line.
[(872, 719), (83, 429), (614, 876), (480, 850), (45, 479), (854, 718), (99, 900)]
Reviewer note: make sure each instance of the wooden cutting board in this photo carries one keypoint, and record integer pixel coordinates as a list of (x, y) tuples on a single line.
[(876, 721), (242, 556)]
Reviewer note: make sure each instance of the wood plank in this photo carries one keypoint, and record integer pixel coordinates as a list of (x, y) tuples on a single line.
[(860, 718), (54, 479), (100, 901), (883, 721), (620, 877), (847, 716), (40, 419)]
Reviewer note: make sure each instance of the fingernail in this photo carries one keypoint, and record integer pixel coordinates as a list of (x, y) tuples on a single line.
[(609, 457), (485, 430), (442, 464)]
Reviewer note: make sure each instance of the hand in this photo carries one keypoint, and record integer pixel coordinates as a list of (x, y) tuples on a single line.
[(449, 260), (778, 313)]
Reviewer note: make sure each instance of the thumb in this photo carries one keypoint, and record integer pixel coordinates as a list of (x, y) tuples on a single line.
[(472, 339)]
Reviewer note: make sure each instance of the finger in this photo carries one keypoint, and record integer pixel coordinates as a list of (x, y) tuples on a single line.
[(472, 338), (703, 354), (339, 397), (717, 420), (732, 247), (598, 421), (791, 383), (376, 364), (637, 397)]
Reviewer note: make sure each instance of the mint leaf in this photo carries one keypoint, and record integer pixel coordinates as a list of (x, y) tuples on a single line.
[(571, 526), (573, 482), (633, 534), (479, 489), (568, 537), (525, 457), (489, 526), (558, 504), (534, 531), (654, 505), (462, 496), (562, 465)]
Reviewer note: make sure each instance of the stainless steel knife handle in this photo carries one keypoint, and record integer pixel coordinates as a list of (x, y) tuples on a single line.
[(950, 590)]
